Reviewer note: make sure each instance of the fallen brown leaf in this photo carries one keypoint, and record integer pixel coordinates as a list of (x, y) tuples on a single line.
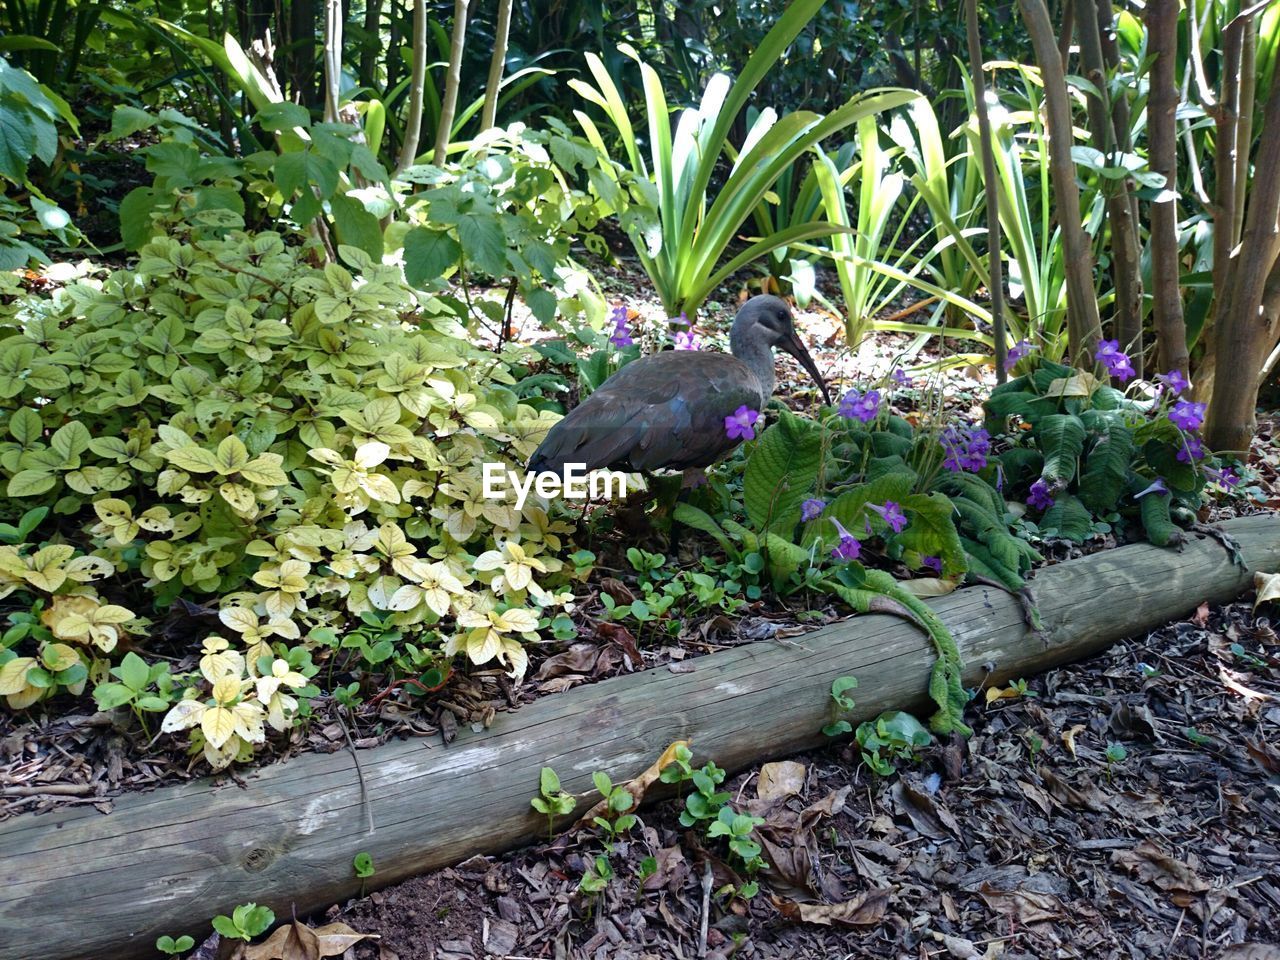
[(1250, 951), (1268, 587), (778, 780), (862, 911), (1025, 906), (1153, 865), (637, 787)]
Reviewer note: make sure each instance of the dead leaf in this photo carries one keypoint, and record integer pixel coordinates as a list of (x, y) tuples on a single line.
[(1069, 738), (1154, 866), (1201, 618), (1036, 796), (1085, 797), (862, 911), (1250, 951), (337, 938), (1025, 906), (291, 941), (1268, 587), (779, 780), (637, 787), (929, 586), (927, 814)]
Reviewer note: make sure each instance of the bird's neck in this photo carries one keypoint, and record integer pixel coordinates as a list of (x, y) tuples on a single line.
[(758, 358)]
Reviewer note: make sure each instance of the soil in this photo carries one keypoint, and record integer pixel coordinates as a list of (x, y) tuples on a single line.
[(1024, 842)]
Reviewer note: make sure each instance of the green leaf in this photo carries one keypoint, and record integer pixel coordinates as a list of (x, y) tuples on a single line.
[(781, 472), (1069, 517), (428, 255), (698, 519), (548, 782), (127, 120), (1160, 528), (1060, 437), (931, 530), (1107, 469), (136, 208), (30, 483), (484, 244), (356, 226), (25, 426)]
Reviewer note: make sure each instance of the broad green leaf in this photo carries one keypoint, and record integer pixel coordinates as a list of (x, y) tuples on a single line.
[(1060, 437), (781, 473)]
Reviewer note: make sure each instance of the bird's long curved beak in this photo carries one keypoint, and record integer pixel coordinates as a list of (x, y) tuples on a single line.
[(795, 346)]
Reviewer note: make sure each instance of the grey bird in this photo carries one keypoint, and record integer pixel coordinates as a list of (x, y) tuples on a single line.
[(667, 410)]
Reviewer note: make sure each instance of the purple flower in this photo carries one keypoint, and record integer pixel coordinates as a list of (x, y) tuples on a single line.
[(858, 406), (1192, 449), (1174, 382), (900, 377), (1157, 487), (1187, 416), (1019, 350), (812, 509), (1225, 477), (891, 513), (965, 448), (1039, 498), (682, 320), (621, 336), (933, 563), (686, 340), (848, 548), (741, 425), (1117, 363)]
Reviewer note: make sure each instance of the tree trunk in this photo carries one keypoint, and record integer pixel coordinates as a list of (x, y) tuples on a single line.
[(453, 79), (369, 55), (497, 63), (1171, 330), (1243, 333), (332, 59), (1084, 326), (417, 85), (995, 265)]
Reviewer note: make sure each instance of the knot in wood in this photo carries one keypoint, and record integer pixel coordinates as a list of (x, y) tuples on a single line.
[(258, 859)]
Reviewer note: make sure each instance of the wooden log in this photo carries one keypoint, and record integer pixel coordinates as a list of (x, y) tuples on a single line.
[(82, 885)]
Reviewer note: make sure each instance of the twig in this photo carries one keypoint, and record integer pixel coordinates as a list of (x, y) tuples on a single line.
[(364, 791), (706, 909), (53, 789)]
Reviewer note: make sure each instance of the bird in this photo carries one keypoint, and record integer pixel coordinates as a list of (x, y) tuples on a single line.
[(667, 411)]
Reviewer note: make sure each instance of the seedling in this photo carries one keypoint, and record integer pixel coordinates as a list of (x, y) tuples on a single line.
[(619, 801), (246, 922), (738, 827), (680, 769), (840, 703), (705, 804), (363, 865), (174, 947), (599, 873), (551, 800), (1115, 753), (893, 736), (648, 867)]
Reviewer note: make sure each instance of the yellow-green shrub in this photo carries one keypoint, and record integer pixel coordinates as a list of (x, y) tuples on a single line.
[(300, 443)]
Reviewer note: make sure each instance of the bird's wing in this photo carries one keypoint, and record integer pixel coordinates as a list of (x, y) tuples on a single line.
[(663, 411)]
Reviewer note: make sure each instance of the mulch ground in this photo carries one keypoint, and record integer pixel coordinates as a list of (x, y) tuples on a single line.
[(1024, 842)]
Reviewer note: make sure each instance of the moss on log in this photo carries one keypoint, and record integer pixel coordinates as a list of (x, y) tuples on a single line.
[(82, 885)]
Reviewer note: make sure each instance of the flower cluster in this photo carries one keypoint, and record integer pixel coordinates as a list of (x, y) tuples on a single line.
[(1188, 417), (966, 448), (687, 340), (891, 513), (855, 405), (621, 336), (1117, 362), (1174, 382), (1039, 498), (900, 377), (848, 548), (741, 424), (812, 509)]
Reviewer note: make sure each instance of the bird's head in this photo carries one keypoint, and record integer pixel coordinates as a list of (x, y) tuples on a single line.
[(768, 319)]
